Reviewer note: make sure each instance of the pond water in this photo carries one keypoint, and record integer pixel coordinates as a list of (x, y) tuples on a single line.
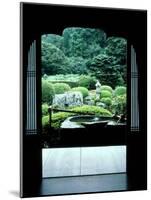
[(81, 119)]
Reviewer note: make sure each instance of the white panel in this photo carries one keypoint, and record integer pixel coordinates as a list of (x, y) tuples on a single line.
[(102, 160), (61, 162), (83, 161)]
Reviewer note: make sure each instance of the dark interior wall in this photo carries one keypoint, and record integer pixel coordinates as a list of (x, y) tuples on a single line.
[(38, 19)]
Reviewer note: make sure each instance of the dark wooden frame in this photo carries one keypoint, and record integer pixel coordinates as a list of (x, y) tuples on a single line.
[(128, 23)]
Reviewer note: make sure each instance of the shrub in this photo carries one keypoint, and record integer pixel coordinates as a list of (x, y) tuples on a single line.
[(120, 90), (45, 120), (106, 87), (83, 90), (58, 118), (45, 109), (47, 92), (87, 81), (119, 104), (105, 93), (107, 101), (93, 110), (61, 88), (70, 83)]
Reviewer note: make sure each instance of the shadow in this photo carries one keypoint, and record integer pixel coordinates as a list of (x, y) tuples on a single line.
[(14, 193)]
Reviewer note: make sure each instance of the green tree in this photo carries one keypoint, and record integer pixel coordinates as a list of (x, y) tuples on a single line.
[(83, 42), (77, 65), (53, 59), (54, 39), (105, 69)]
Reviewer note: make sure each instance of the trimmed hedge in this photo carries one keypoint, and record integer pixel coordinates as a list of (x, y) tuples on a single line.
[(120, 90), (87, 82), (47, 92), (107, 101), (61, 88), (58, 118), (45, 109), (70, 83), (93, 110), (45, 120), (105, 93), (83, 90), (106, 87)]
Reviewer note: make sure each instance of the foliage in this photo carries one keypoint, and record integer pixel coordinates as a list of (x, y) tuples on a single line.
[(64, 77), (93, 110), (45, 109), (77, 65), (70, 83), (106, 87), (105, 93), (117, 47), (54, 39), (119, 104), (107, 101), (87, 81), (83, 90), (106, 69), (61, 88), (58, 118), (83, 42), (47, 92), (53, 59), (120, 90), (85, 51), (45, 120)]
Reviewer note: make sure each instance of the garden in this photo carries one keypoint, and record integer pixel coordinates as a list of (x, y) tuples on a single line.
[(83, 71)]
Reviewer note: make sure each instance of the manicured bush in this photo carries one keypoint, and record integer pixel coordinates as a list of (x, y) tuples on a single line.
[(106, 87), (107, 101), (61, 88), (64, 77), (45, 109), (120, 90), (70, 83), (47, 92), (105, 93), (87, 81), (83, 90), (45, 121), (93, 110), (58, 118)]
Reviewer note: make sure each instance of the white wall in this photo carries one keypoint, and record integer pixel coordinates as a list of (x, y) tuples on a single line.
[(59, 162)]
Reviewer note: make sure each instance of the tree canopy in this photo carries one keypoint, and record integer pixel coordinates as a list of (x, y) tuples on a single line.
[(85, 51)]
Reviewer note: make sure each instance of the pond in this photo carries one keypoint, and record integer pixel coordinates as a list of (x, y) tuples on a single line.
[(86, 121)]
